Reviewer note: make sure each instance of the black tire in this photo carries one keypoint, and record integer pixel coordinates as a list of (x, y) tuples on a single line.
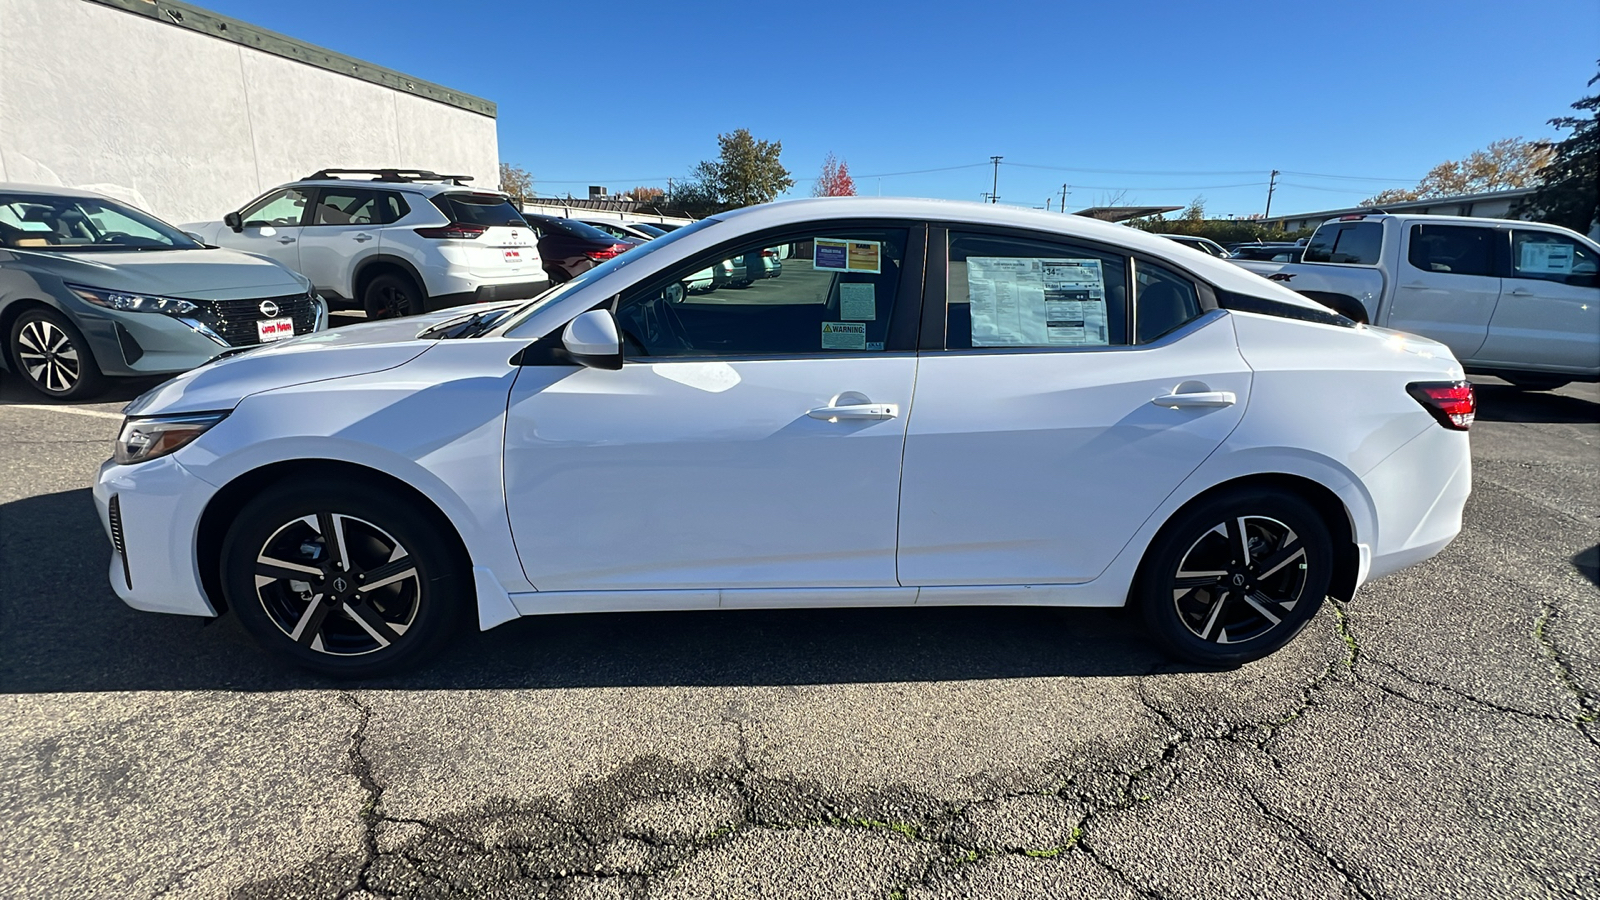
[(1222, 612), (327, 620), (390, 296), (51, 356), (1532, 382)]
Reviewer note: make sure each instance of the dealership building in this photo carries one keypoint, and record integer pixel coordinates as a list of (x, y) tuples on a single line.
[(190, 114)]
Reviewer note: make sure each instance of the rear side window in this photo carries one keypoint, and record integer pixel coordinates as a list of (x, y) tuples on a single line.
[(1452, 249), (1022, 292), (1356, 243), (341, 206), (1548, 256), (479, 209), (1162, 301)]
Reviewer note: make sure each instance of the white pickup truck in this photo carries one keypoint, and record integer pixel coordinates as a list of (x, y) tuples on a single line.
[(1513, 299)]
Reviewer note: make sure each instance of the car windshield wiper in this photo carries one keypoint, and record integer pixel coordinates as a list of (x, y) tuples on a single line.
[(471, 326)]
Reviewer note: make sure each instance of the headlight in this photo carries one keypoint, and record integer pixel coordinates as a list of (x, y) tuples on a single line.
[(125, 302), (147, 439)]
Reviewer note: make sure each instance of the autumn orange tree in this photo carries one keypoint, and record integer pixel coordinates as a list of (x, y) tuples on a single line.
[(835, 180), (1504, 164)]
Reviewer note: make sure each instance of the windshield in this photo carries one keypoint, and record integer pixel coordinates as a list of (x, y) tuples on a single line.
[(606, 268), (51, 222)]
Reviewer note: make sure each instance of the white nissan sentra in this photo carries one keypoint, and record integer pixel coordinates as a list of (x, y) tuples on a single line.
[(938, 403)]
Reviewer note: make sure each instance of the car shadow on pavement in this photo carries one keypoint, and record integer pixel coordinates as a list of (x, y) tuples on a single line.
[(63, 630), (1504, 403)]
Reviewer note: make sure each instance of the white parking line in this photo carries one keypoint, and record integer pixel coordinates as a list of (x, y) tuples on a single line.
[(98, 414)]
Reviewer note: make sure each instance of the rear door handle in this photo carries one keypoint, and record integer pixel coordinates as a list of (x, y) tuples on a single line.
[(1521, 292), (1196, 400), (363, 237), (286, 240), (856, 411)]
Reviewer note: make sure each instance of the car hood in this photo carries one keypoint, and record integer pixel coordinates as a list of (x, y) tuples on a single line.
[(210, 274), (341, 353)]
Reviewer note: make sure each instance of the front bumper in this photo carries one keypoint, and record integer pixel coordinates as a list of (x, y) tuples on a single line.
[(159, 504)]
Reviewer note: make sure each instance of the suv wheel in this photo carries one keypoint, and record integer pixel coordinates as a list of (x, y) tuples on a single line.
[(389, 296), (52, 357)]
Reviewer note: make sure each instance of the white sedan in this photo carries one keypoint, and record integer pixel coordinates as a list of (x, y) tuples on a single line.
[(939, 403)]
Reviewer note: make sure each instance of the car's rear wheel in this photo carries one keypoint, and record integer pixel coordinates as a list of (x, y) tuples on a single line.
[(348, 582), (1235, 577), (390, 296), (51, 355)]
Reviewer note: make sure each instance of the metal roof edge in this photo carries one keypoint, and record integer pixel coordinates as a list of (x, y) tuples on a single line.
[(203, 21), (1401, 207)]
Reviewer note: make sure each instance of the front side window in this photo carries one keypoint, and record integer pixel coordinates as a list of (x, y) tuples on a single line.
[(1354, 243), (286, 207), (1452, 249), (831, 291), (1548, 256), (1008, 291), (47, 221)]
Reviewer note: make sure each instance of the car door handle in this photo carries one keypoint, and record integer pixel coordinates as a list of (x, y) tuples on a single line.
[(1415, 285), (286, 240), (1196, 399), (1521, 292), (363, 237), (856, 411)]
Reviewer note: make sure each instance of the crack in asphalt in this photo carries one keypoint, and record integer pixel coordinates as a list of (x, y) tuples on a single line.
[(558, 845)]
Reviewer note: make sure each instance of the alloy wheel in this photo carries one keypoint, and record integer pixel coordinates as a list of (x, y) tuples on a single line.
[(1240, 580), (337, 584), (47, 354)]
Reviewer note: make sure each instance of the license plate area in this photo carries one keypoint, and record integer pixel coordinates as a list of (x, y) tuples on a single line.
[(269, 330), (513, 255)]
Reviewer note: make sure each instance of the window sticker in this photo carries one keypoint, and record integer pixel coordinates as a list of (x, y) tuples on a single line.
[(844, 336), (858, 302), (1545, 258), (835, 255), (30, 225), (1035, 302)]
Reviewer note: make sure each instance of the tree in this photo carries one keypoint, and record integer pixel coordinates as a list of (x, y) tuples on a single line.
[(516, 181), (835, 180), (1504, 164), (747, 172), (1195, 212), (1570, 194)]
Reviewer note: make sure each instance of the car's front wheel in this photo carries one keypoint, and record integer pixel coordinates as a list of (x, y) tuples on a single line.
[(347, 581), (51, 355), (1235, 577)]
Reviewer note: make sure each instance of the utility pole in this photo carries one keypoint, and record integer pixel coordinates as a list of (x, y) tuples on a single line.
[(1272, 184), (1064, 193), (669, 191), (1047, 202), (994, 195)]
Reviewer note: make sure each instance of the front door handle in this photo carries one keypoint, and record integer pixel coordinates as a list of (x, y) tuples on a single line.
[(286, 240), (363, 237), (1198, 399), (855, 411), (1521, 292)]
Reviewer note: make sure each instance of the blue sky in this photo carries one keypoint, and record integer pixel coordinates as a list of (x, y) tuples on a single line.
[(1164, 100)]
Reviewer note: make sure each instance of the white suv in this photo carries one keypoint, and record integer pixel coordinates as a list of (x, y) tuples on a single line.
[(393, 241)]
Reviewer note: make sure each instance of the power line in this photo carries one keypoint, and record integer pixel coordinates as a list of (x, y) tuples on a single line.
[(1345, 177), (1312, 187), (1133, 171)]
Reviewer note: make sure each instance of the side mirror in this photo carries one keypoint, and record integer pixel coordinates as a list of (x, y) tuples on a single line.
[(233, 221), (592, 340)]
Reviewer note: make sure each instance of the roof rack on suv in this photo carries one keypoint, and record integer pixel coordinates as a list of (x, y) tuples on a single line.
[(396, 175)]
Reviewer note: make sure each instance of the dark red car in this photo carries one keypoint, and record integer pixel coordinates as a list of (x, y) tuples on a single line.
[(570, 248)]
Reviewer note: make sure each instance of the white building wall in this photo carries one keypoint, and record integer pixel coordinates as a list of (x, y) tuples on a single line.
[(190, 126)]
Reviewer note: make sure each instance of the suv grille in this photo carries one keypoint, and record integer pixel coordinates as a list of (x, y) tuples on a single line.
[(235, 320)]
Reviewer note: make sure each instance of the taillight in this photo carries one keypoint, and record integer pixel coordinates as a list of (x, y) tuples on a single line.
[(459, 230), (607, 252), (770, 254), (1453, 403)]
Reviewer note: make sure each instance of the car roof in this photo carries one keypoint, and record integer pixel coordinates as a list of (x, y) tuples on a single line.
[(426, 188), (49, 190), (1217, 271)]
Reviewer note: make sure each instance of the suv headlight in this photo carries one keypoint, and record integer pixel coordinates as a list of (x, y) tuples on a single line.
[(126, 302), (145, 439)]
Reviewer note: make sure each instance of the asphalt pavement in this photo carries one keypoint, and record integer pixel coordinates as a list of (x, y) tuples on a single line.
[(1436, 737)]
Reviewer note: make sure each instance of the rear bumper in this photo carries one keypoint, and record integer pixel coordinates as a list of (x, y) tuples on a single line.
[(489, 293), (1418, 494)]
